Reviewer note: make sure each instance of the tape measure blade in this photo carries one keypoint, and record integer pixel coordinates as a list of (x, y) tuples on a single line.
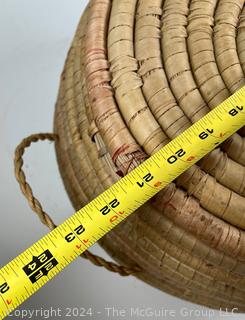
[(28, 272)]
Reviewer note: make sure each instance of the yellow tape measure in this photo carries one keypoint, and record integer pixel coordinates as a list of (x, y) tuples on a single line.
[(27, 273)]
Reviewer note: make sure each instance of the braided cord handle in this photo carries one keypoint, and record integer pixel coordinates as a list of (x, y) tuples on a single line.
[(43, 216)]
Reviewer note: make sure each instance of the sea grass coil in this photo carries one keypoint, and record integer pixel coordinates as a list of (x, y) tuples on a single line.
[(138, 74)]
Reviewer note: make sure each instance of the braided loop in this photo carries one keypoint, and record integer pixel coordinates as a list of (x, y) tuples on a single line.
[(43, 216)]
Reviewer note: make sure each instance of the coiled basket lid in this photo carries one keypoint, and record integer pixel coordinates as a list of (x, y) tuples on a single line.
[(138, 74)]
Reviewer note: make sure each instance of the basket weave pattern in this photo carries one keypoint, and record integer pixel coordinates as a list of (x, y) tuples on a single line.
[(138, 74)]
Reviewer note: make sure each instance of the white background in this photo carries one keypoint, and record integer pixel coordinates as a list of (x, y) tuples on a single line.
[(35, 37)]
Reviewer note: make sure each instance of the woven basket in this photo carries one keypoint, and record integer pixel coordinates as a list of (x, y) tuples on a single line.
[(137, 75)]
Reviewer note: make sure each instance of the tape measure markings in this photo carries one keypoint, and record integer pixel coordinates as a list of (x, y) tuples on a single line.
[(27, 273)]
